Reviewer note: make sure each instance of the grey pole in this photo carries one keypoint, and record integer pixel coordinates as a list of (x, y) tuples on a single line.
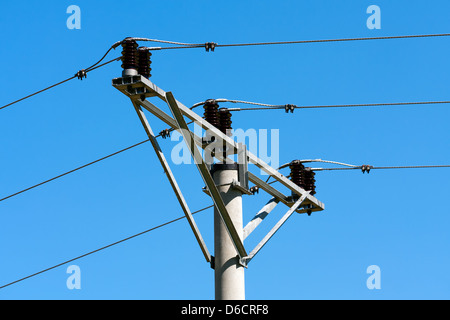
[(228, 272)]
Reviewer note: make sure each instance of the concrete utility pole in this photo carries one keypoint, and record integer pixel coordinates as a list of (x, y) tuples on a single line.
[(228, 272)]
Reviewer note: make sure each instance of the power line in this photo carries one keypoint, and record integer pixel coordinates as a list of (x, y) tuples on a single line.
[(292, 107), (316, 160), (118, 43), (216, 45), (40, 91), (103, 248), (164, 132), (210, 45), (104, 56), (363, 168), (236, 101), (74, 170), (336, 40), (381, 168), (93, 67), (80, 75), (353, 167)]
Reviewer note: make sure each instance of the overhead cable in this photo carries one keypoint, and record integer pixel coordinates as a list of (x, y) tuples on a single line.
[(213, 45), (80, 75), (381, 168), (102, 248), (289, 107)]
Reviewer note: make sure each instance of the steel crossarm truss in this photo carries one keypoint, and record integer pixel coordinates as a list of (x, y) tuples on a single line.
[(138, 88)]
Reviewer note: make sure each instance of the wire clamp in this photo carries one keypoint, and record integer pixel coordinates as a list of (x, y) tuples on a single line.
[(254, 190), (210, 46), (81, 74), (290, 108), (366, 168), (165, 134), (210, 101)]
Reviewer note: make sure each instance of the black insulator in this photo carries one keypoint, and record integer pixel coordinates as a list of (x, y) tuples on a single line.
[(303, 177), (212, 113), (144, 62), (297, 172), (309, 183), (224, 120), (129, 54)]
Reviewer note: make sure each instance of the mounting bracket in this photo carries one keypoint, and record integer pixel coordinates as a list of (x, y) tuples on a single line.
[(138, 88)]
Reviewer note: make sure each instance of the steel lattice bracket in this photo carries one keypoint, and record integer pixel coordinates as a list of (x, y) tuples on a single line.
[(138, 88), (123, 84)]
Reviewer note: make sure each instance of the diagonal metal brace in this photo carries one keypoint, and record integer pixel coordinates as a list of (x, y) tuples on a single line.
[(259, 217), (271, 233), (172, 180), (206, 175)]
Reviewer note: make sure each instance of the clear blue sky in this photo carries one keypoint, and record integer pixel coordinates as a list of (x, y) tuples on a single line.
[(397, 219)]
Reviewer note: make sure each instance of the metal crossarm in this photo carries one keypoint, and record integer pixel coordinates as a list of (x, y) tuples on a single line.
[(204, 172), (139, 87), (172, 181), (311, 207)]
